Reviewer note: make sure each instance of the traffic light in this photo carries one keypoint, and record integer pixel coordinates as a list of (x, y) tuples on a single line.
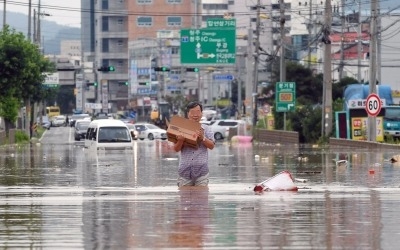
[(95, 84), (192, 70), (124, 83), (163, 69), (106, 68), (144, 83)]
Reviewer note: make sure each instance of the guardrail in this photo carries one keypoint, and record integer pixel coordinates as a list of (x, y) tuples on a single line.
[(271, 136)]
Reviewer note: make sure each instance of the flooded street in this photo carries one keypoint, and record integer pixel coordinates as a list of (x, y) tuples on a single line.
[(61, 196)]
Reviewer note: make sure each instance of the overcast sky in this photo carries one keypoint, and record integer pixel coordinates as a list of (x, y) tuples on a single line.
[(65, 12)]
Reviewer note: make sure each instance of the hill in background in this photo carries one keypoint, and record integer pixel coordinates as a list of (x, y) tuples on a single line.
[(52, 33)]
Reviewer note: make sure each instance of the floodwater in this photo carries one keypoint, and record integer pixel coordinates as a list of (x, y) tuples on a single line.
[(60, 196)]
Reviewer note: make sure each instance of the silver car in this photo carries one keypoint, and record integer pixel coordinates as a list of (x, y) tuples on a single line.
[(58, 121)]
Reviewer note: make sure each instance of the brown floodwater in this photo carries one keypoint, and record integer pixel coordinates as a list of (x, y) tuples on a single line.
[(61, 196)]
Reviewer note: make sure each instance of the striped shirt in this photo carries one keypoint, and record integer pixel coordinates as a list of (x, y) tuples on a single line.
[(193, 162)]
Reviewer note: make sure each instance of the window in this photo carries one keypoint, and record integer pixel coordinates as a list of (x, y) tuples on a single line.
[(215, 6), (104, 4), (174, 21), (144, 21), (227, 123), (175, 50), (114, 134), (144, 1), (104, 23), (174, 1), (105, 47)]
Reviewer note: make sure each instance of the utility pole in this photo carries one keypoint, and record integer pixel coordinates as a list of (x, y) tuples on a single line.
[(372, 67), (343, 22), (359, 43), (29, 20), (38, 28), (34, 27), (249, 76), (256, 55), (4, 14), (282, 73), (327, 79), (379, 44), (309, 27)]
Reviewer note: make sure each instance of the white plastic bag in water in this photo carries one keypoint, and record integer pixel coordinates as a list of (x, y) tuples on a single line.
[(280, 182)]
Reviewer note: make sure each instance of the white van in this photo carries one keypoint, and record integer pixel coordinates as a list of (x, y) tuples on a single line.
[(108, 134)]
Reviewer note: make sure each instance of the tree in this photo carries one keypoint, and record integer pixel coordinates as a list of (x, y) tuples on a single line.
[(9, 110), (22, 68)]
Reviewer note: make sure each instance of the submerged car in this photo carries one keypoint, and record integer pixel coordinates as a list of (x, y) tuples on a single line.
[(132, 129), (150, 131), (81, 127), (45, 122)]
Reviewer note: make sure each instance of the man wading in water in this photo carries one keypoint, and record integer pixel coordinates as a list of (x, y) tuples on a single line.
[(193, 163)]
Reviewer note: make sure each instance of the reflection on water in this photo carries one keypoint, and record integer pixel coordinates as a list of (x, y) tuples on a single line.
[(192, 216), (64, 197)]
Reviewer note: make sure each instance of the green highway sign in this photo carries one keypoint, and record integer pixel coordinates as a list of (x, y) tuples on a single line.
[(221, 23), (50, 85), (285, 96), (208, 46)]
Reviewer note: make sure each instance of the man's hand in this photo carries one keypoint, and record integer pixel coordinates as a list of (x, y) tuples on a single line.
[(180, 137), (200, 134)]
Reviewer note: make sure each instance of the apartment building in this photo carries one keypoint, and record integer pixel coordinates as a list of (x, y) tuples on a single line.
[(134, 36)]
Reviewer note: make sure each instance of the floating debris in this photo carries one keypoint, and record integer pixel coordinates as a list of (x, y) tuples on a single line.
[(300, 180), (279, 182), (341, 163)]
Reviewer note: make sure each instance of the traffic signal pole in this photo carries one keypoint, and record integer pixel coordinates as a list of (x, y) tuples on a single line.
[(256, 57)]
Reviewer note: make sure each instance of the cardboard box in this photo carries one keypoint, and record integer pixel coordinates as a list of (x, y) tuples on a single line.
[(186, 127)]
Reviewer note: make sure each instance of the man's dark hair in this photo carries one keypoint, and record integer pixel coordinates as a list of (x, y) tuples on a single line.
[(192, 105)]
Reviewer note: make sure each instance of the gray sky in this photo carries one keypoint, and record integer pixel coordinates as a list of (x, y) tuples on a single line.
[(65, 12)]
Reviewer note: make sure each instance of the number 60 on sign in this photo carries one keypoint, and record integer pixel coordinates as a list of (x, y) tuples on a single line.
[(373, 105)]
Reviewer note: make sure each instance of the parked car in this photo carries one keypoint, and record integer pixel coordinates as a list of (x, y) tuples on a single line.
[(45, 122), (123, 118), (58, 121), (150, 131), (220, 128), (77, 117), (133, 131), (81, 127), (204, 120)]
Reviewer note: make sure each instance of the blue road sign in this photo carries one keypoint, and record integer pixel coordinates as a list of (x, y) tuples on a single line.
[(146, 91), (173, 88), (223, 77)]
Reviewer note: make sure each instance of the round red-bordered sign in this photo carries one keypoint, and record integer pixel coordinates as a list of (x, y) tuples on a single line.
[(373, 105)]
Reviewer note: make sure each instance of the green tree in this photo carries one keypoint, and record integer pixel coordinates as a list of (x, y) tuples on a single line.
[(338, 88), (306, 119), (22, 68), (9, 110)]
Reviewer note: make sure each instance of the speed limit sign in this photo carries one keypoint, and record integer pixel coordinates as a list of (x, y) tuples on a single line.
[(373, 105)]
